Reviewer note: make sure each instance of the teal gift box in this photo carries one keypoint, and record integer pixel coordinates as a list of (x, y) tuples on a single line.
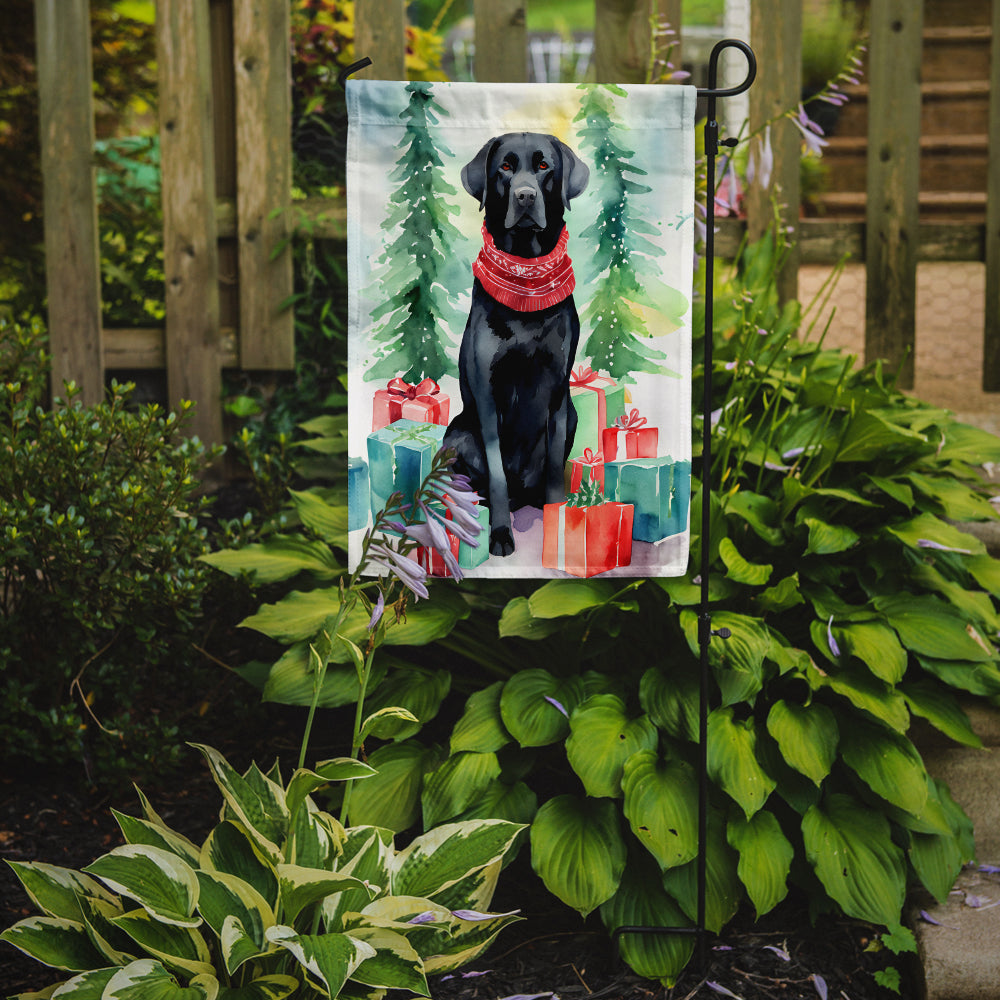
[(660, 490), (357, 494), (400, 457)]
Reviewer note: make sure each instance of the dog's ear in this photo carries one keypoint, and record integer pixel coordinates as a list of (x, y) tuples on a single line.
[(475, 174), (575, 174)]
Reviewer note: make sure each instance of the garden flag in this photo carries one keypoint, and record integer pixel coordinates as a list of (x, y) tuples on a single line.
[(520, 280)]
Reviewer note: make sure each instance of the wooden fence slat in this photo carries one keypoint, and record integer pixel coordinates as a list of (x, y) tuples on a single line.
[(190, 253), (262, 61), (72, 255), (893, 184), (776, 36), (380, 34), (991, 331), (621, 40), (501, 41)]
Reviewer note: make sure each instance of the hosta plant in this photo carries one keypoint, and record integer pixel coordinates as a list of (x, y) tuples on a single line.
[(279, 900)]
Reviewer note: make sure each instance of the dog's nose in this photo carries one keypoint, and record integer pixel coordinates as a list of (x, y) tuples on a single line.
[(525, 196)]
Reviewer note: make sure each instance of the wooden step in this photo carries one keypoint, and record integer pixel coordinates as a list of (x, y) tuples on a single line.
[(964, 206), (940, 13), (956, 53)]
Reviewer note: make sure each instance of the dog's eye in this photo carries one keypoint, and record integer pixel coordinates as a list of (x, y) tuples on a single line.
[(506, 167), (543, 165)]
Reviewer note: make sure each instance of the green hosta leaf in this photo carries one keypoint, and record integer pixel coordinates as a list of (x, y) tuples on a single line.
[(956, 500), (159, 881), (751, 574), (850, 847), (870, 436), (671, 700), (456, 784), (147, 979), (828, 539), (941, 709), (661, 798), (527, 711), (141, 831), (578, 851), (418, 691), (275, 987), (893, 488), (481, 728), (602, 738), (395, 964), (783, 595), (738, 661), (888, 763), (386, 723), (765, 858), (327, 520), (931, 628), (291, 680), (986, 572), (180, 948), (876, 646), (865, 692), (928, 528), (230, 849), (685, 593), (517, 620), (441, 857), (56, 891), (807, 736), (732, 760), (279, 558), (965, 443), (975, 605), (937, 860), (260, 809), (723, 889), (976, 678), (641, 901), (559, 598), (515, 803), (391, 798), (760, 512), (301, 887), (54, 941), (225, 897), (330, 959), (304, 782)]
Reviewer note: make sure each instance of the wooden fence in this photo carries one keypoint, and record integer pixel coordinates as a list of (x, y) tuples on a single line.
[(226, 160)]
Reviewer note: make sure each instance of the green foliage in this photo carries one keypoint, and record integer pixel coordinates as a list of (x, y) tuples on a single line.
[(279, 899), (101, 587)]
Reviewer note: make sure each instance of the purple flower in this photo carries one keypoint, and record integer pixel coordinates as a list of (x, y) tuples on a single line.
[(427, 917), (811, 132), (834, 648), (552, 701), (820, 983), (475, 915), (412, 575), (761, 163), (377, 612), (432, 535), (927, 543), (780, 952), (719, 988)]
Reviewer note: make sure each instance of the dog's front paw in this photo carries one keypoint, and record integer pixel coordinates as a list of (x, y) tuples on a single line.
[(501, 542)]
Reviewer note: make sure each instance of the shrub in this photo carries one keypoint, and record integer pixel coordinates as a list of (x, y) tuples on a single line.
[(99, 539)]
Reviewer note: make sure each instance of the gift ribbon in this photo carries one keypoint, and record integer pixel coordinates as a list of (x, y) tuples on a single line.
[(421, 433), (428, 387), (585, 376), (589, 458), (629, 422)]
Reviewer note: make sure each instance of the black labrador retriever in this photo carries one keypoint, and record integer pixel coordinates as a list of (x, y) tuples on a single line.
[(516, 428)]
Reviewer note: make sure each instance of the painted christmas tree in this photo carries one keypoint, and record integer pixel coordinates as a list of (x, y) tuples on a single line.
[(420, 273), (622, 271)]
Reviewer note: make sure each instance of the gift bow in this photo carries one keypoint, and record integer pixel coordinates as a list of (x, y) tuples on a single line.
[(428, 387), (589, 458), (584, 376), (629, 422)]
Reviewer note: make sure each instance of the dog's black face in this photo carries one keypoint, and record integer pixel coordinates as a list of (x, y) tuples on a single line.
[(525, 181)]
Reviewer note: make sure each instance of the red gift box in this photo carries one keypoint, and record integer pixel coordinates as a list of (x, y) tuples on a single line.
[(431, 559), (585, 541), (628, 438), (587, 461), (423, 402)]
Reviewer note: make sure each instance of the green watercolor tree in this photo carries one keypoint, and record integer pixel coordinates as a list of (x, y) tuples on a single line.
[(622, 269), (420, 270)]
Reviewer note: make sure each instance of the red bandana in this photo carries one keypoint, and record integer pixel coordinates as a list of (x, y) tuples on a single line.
[(526, 284)]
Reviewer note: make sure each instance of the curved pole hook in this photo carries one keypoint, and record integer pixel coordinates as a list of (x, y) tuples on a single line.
[(713, 69), (353, 68)]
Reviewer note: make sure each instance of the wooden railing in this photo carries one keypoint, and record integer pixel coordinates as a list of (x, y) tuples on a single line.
[(226, 161)]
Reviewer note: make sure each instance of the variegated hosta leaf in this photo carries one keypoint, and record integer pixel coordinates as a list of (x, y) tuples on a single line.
[(304, 782), (177, 947), (149, 980), (642, 902), (328, 959), (116, 946), (87, 986), (441, 857), (54, 941), (602, 737), (391, 799), (578, 851), (850, 847), (467, 941), (732, 760), (481, 727), (230, 849), (315, 838), (367, 853), (456, 784), (141, 831), (256, 801), (476, 890), (661, 805), (56, 891), (395, 964), (301, 887), (807, 736), (275, 987), (888, 763), (765, 858), (158, 880), (225, 897), (535, 706)]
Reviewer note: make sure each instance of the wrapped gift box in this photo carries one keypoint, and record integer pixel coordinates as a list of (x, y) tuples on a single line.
[(628, 437), (660, 490), (594, 396), (423, 402), (357, 494), (585, 541), (399, 459), (431, 559), (589, 467)]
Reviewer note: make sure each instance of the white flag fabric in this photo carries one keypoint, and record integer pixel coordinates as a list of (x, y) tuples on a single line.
[(520, 279)]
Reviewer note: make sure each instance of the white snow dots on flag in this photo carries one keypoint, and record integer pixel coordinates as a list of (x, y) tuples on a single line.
[(519, 263)]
